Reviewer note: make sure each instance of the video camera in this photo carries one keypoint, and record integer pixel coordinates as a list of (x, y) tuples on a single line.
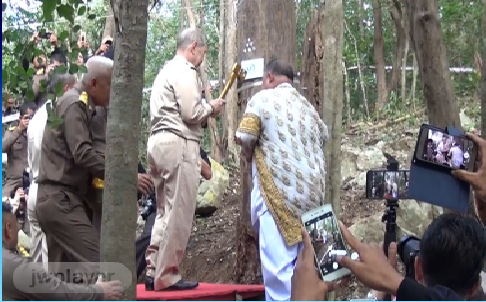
[(149, 206), (408, 249)]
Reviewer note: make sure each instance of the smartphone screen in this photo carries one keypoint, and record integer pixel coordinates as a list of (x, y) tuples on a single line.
[(327, 241), (449, 151), (382, 184)]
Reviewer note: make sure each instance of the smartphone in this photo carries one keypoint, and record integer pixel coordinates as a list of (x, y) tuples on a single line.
[(438, 148), (46, 35), (327, 240), (383, 184)]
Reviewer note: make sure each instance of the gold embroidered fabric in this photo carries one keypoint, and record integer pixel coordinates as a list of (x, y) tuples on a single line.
[(250, 123), (288, 224), (289, 155)]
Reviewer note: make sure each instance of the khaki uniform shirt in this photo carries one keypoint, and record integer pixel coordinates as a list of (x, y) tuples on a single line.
[(14, 144), (68, 156), (175, 102), (98, 130), (19, 275)]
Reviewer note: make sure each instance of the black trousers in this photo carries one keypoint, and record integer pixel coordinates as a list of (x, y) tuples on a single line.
[(143, 242)]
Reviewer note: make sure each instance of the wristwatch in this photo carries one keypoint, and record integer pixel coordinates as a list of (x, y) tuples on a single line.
[(212, 109)]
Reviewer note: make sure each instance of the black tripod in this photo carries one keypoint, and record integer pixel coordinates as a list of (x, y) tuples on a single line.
[(390, 215)]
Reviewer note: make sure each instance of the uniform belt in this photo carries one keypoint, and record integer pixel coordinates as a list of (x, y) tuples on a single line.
[(98, 184), (175, 132)]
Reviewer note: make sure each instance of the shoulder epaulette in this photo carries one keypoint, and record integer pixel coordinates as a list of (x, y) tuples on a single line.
[(83, 98), (40, 71), (12, 128)]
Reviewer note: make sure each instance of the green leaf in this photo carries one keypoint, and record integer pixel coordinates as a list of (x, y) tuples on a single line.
[(59, 89), (76, 28), (48, 7), (30, 94), (91, 17), (30, 72), (63, 35), (60, 69), (4, 6), (82, 69), (42, 85), (73, 68), (81, 10), (66, 11)]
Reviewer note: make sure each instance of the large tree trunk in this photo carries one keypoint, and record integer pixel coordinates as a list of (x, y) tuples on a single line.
[(109, 23), (430, 52), (119, 218), (483, 75), (271, 27), (378, 47), (222, 71), (232, 97), (396, 13), (331, 16), (309, 62)]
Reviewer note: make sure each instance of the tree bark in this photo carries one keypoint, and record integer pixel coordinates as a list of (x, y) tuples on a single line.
[(396, 13), (378, 48), (109, 24), (221, 71), (308, 71), (232, 97), (271, 27), (332, 20), (349, 118), (119, 218), (430, 52), (483, 75)]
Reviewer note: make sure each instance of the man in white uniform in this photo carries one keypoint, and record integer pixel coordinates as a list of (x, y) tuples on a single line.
[(282, 135), (457, 156), (34, 135)]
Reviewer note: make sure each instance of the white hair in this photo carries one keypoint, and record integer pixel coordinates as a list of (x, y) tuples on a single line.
[(189, 36), (97, 66)]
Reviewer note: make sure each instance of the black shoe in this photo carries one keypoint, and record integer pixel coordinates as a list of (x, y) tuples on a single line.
[(149, 283), (183, 285)]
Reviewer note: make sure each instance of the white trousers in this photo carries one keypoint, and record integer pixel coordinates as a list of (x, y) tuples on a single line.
[(38, 251), (277, 259)]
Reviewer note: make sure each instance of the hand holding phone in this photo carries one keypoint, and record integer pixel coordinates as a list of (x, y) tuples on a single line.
[(435, 146), (326, 237)]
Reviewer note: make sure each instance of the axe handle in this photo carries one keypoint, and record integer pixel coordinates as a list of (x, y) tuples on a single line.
[(228, 86)]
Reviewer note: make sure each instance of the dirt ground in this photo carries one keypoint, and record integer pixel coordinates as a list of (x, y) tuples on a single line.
[(211, 252)]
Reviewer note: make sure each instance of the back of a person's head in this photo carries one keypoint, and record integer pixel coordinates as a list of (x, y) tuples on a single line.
[(452, 252), (57, 57), (26, 106)]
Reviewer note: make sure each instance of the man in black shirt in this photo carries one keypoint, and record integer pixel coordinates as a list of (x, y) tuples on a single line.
[(144, 240)]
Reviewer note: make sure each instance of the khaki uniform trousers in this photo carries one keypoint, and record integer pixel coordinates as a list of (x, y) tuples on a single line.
[(71, 237), (175, 166), (38, 251)]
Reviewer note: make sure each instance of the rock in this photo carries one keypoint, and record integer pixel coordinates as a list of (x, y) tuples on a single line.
[(355, 161), (413, 218), (210, 192)]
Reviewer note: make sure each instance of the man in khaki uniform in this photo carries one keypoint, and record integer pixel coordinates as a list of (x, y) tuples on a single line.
[(14, 144), (173, 157), (19, 274), (67, 161)]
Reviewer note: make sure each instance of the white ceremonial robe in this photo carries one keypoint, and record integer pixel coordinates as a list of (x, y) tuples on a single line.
[(297, 168)]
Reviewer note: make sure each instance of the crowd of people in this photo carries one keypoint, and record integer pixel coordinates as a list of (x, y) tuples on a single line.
[(447, 150), (281, 136)]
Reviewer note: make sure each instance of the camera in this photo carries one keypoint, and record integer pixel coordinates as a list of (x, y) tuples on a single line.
[(408, 249), (148, 206)]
